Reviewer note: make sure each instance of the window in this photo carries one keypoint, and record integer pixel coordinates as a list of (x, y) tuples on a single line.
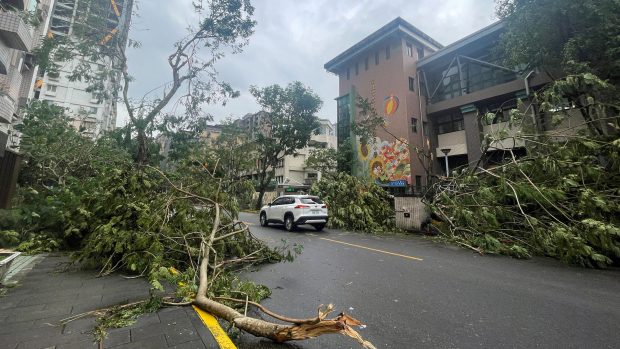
[(279, 201), (348, 73), (51, 90), (418, 182), (366, 63), (60, 26), (92, 110), (344, 119), (53, 76), (420, 52), (377, 58), (279, 179), (451, 123), (425, 129), (411, 84), (280, 163), (357, 69), (387, 52), (409, 50), (414, 125)]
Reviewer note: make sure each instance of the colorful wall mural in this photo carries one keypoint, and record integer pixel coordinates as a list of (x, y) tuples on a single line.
[(388, 163), (390, 105)]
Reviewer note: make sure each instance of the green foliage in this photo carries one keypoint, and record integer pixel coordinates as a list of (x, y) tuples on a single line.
[(574, 37), (560, 201), (114, 215), (355, 204), (8, 238), (123, 316)]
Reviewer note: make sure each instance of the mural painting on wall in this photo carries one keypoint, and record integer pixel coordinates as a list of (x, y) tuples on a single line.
[(390, 105), (388, 163)]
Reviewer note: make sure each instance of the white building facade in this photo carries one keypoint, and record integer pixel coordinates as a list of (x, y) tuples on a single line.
[(90, 114)]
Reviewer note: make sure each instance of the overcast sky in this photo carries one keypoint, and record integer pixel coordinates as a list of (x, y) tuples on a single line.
[(292, 41)]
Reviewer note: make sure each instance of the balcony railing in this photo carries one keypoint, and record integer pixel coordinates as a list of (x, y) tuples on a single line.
[(5, 59), (14, 31)]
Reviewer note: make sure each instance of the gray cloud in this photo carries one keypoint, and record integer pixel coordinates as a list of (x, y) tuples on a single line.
[(293, 40)]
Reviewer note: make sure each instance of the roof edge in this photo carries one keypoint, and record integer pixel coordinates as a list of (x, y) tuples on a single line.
[(490, 29), (396, 25)]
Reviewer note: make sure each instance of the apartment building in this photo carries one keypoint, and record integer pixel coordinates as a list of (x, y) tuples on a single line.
[(433, 103), (92, 114), (22, 24), (291, 173)]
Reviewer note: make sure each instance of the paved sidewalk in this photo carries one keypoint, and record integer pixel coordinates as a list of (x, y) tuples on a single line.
[(29, 313)]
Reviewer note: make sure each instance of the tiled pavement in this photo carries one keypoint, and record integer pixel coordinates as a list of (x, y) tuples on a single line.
[(29, 313)]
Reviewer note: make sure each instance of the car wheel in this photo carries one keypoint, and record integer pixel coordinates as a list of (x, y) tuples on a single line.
[(319, 227), (288, 223), (263, 220)]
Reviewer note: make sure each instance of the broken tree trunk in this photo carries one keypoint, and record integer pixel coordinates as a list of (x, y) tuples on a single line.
[(297, 330)]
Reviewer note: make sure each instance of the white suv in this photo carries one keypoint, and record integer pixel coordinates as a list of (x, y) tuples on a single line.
[(293, 210)]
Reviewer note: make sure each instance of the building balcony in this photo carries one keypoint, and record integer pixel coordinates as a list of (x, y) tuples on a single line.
[(15, 32), (455, 141), (7, 108), (5, 59)]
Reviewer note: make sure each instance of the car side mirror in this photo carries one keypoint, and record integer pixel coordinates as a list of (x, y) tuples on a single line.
[(269, 204)]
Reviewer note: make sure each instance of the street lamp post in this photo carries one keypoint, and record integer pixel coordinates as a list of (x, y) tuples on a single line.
[(445, 152)]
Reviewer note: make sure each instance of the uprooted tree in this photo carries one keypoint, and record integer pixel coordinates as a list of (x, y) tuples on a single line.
[(560, 200)]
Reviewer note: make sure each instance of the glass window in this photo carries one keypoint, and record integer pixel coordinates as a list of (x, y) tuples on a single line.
[(411, 84), (92, 110), (453, 123), (425, 128), (420, 52), (60, 25), (279, 201), (409, 50), (418, 182), (344, 121), (387, 52), (313, 199), (414, 125)]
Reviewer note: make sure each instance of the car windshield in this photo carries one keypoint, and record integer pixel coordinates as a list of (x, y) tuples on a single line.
[(311, 200)]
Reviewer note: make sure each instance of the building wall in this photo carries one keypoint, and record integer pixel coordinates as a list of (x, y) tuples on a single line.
[(17, 39), (390, 159)]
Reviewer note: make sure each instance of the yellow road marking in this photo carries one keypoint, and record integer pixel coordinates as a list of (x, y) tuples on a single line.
[(374, 249), (218, 333)]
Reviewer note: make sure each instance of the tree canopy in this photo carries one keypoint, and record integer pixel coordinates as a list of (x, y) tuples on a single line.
[(287, 121), (563, 37)]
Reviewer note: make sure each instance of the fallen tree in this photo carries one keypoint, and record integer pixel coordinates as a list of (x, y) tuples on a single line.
[(355, 203), (560, 200)]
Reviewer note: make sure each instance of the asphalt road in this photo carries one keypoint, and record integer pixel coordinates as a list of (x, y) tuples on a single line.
[(414, 293)]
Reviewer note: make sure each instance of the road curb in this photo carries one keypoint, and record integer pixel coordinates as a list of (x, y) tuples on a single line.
[(216, 330)]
